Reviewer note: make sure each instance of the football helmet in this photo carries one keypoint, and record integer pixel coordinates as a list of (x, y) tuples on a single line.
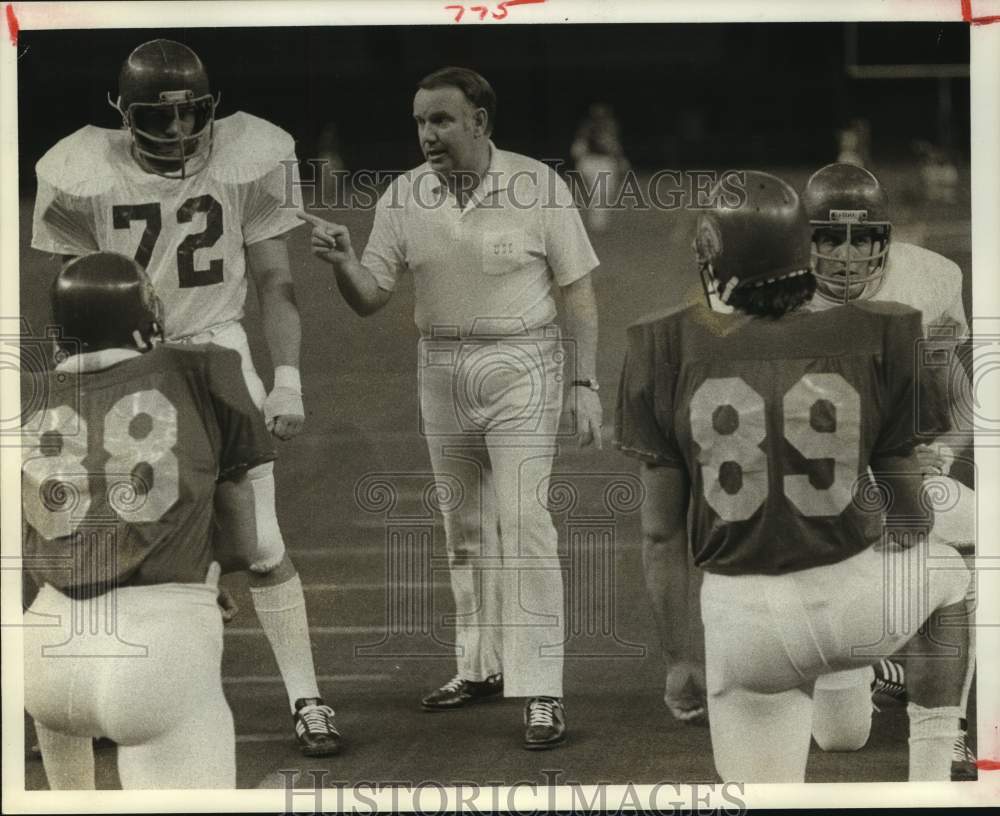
[(764, 238), (849, 211), (100, 299), (167, 106)]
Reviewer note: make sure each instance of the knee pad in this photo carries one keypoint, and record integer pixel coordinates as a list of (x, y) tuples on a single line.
[(842, 710), (270, 544)]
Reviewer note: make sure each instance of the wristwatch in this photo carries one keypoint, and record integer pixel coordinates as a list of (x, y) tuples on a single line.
[(592, 384)]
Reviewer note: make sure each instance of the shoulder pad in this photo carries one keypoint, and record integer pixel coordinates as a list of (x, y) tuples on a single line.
[(81, 163), (246, 148), (915, 261)]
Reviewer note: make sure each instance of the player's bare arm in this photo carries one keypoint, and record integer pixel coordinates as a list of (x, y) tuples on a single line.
[(581, 323), (665, 566), (909, 517), (271, 271), (332, 243)]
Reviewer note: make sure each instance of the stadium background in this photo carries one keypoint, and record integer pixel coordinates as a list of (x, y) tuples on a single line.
[(351, 487)]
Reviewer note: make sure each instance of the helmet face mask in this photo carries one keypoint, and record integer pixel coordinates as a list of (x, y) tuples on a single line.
[(166, 105), (172, 139), (849, 213), (849, 259)]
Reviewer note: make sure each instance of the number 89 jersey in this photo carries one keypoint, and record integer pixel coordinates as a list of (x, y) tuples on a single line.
[(775, 423), (119, 465), (188, 234)]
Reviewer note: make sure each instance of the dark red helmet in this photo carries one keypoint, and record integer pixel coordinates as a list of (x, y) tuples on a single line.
[(760, 239), (846, 203), (167, 105), (100, 299)]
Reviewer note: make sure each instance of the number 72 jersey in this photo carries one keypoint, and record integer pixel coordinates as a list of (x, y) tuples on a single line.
[(189, 234), (776, 423)]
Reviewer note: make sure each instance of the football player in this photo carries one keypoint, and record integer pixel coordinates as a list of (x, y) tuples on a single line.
[(758, 415), (122, 463), (856, 257), (199, 203), (852, 234)]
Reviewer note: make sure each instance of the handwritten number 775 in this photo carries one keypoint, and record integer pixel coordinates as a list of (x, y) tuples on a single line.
[(482, 11)]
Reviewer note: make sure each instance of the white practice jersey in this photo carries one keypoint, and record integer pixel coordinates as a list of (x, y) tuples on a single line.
[(189, 234), (923, 280)]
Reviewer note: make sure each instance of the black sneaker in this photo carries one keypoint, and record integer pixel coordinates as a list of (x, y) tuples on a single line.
[(458, 692), (545, 723), (963, 761), (315, 728), (889, 684)]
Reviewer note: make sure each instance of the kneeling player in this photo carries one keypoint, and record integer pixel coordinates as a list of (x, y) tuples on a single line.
[(765, 420), (122, 465), (856, 257)]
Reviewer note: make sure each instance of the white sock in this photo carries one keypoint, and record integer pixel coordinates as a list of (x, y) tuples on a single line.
[(281, 610), (932, 734), (970, 599), (68, 760)]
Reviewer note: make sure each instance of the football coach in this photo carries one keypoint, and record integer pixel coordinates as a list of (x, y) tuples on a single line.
[(485, 234)]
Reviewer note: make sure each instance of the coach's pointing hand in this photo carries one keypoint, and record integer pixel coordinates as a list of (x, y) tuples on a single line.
[(330, 241)]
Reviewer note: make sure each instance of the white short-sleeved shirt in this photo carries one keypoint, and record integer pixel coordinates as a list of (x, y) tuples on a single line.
[(923, 280), (487, 268), (189, 234)]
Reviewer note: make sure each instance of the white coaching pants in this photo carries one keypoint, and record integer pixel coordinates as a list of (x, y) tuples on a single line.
[(139, 665), (767, 639), (490, 414)]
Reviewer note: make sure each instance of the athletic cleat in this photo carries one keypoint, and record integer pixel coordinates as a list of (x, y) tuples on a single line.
[(315, 728), (889, 684), (458, 692), (545, 723), (963, 761)]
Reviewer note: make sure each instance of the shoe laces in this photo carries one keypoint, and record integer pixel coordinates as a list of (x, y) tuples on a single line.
[(454, 684), (960, 751), (540, 712), (317, 718), (890, 679)]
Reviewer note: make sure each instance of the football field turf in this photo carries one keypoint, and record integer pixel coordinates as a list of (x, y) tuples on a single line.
[(352, 506)]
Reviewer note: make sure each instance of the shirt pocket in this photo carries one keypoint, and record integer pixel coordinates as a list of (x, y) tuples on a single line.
[(503, 251)]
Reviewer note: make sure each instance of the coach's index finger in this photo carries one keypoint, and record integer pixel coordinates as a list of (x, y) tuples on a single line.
[(315, 220)]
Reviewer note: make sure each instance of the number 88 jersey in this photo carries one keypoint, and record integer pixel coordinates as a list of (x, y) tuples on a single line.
[(776, 423), (120, 464), (188, 234)]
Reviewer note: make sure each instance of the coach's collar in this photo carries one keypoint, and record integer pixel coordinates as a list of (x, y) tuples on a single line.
[(95, 360), (498, 176)]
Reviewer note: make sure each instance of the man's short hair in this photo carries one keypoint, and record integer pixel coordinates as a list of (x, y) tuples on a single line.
[(474, 87)]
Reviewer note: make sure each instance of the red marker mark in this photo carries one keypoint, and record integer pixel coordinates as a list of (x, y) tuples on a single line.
[(967, 15), (498, 14), (988, 765), (12, 25)]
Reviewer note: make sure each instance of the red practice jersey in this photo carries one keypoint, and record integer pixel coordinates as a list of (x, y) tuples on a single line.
[(120, 465), (776, 423)]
